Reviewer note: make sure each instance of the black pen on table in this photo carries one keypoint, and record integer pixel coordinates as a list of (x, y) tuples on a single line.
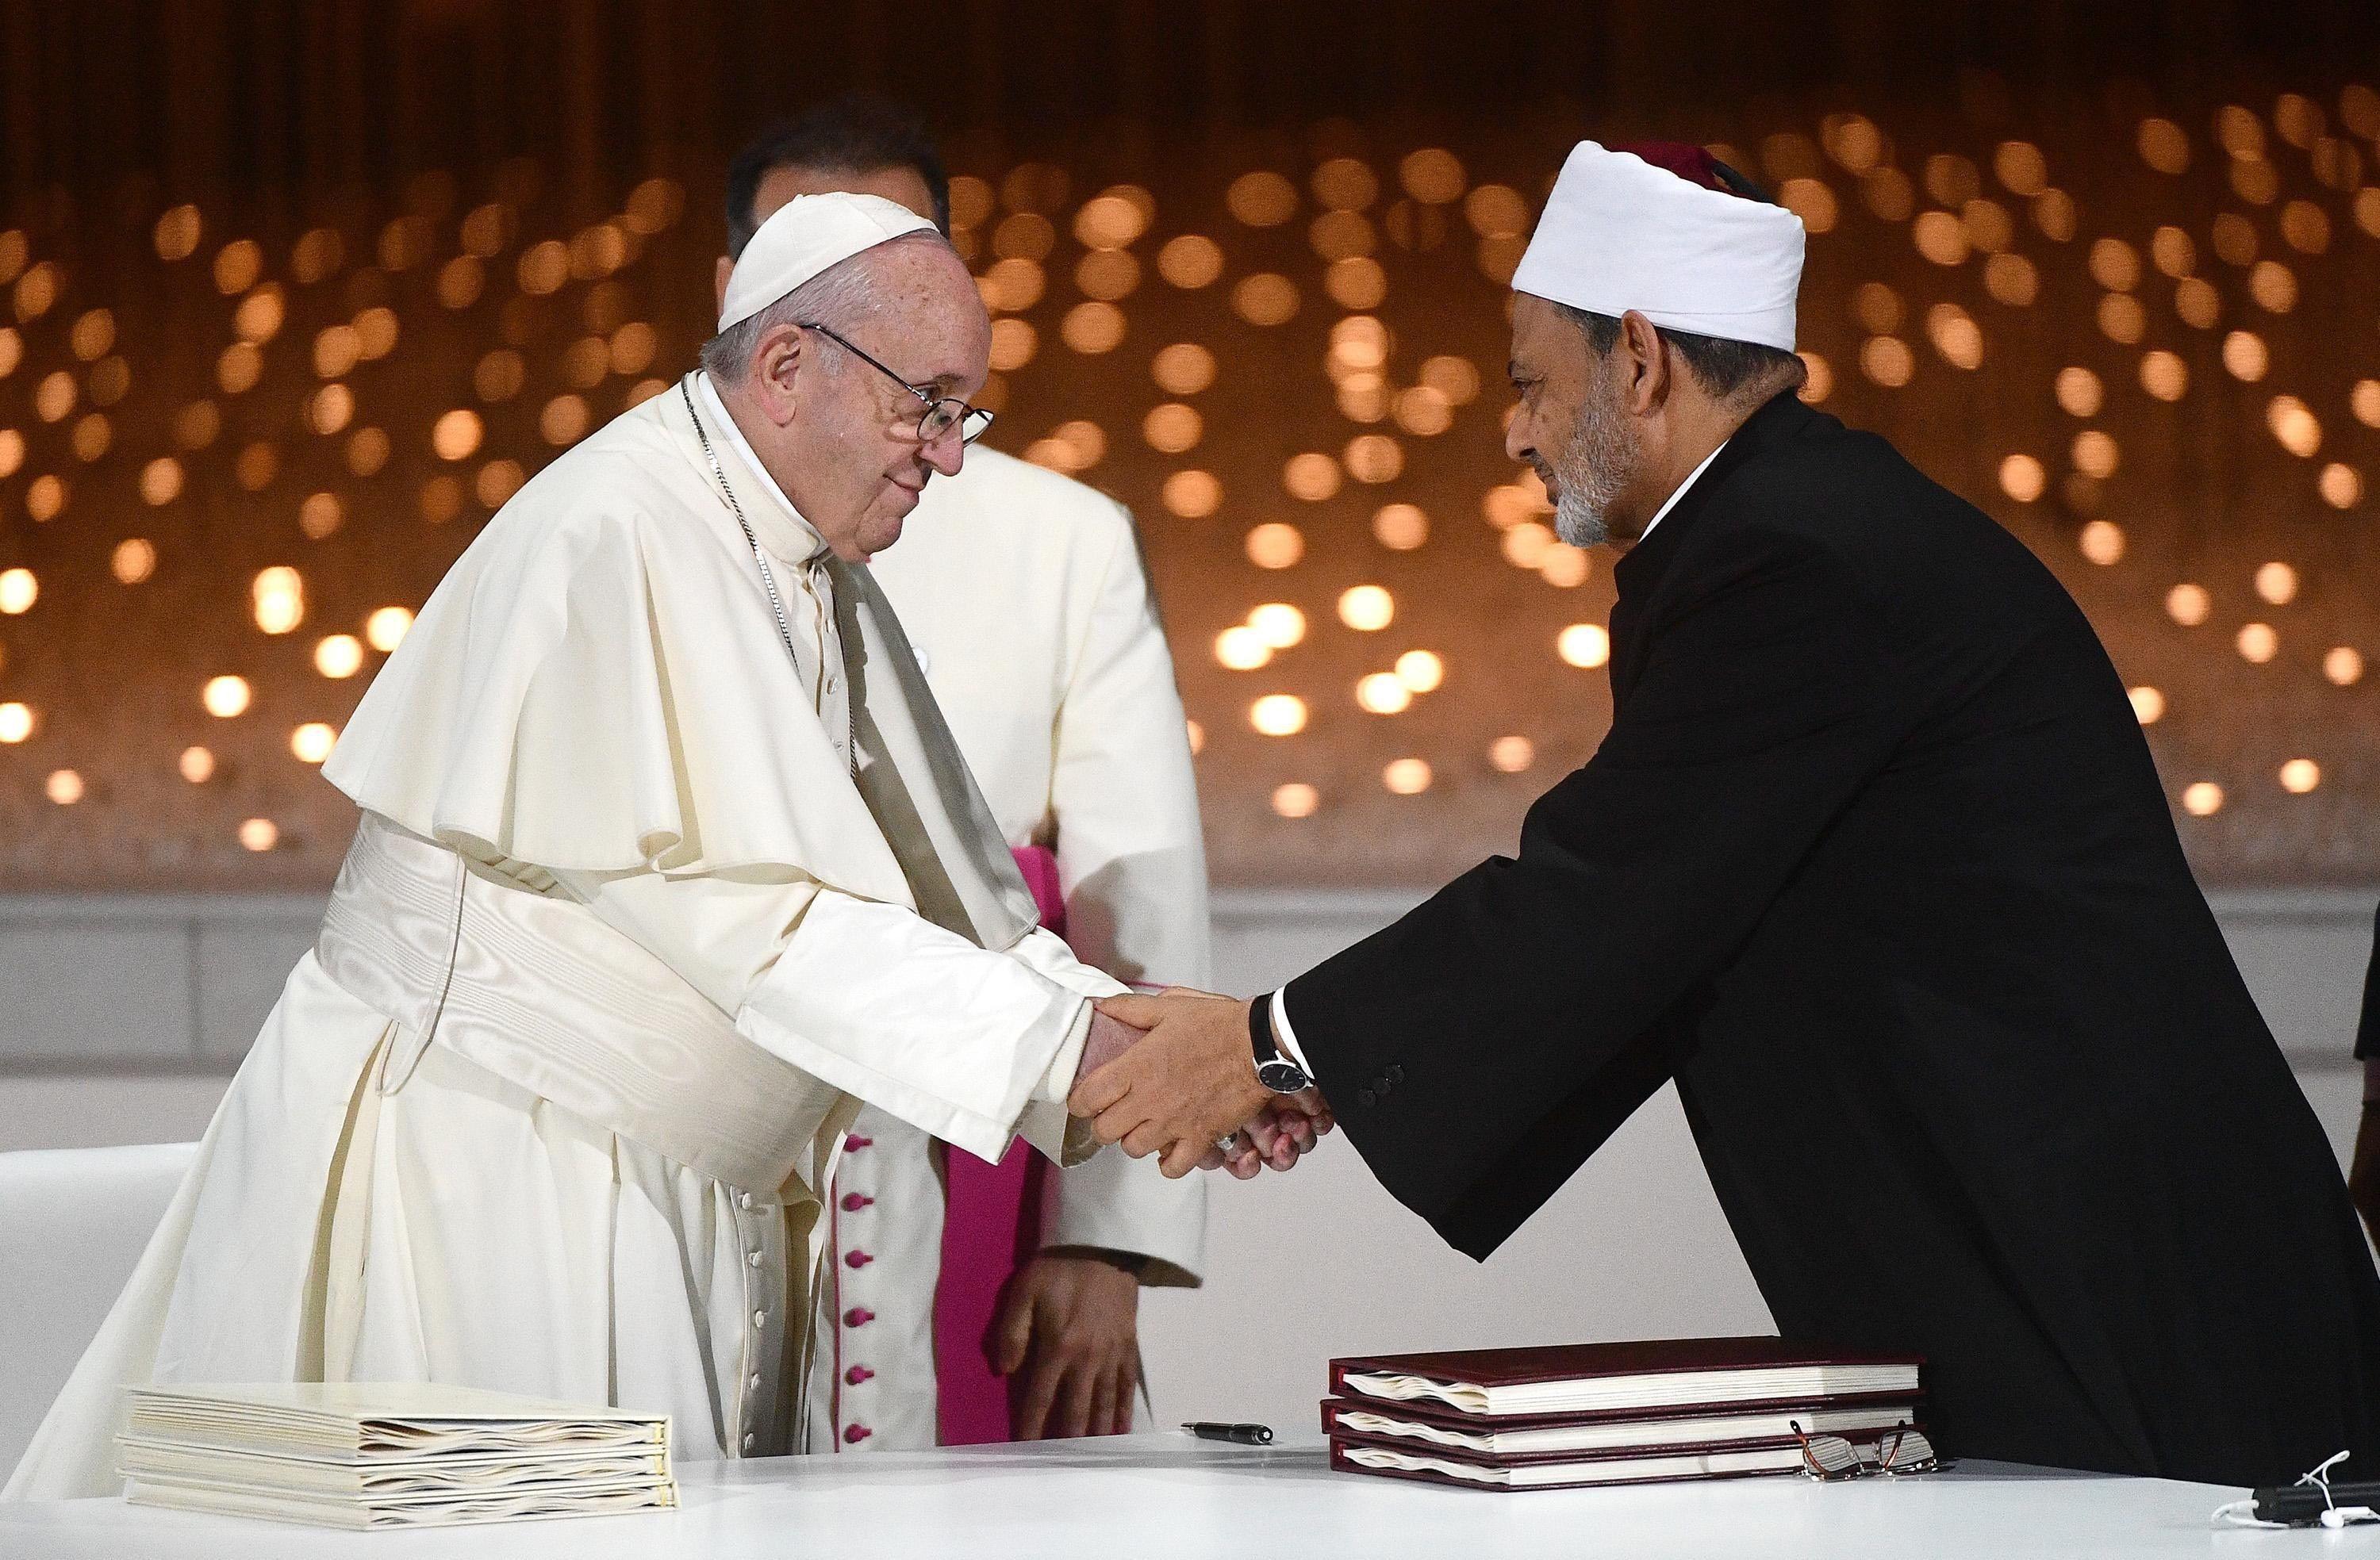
[(1245, 1434)]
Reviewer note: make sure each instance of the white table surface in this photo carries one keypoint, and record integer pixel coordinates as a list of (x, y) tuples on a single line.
[(1165, 1495)]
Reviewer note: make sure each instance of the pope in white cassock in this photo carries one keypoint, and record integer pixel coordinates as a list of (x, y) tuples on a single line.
[(667, 862), (1024, 595)]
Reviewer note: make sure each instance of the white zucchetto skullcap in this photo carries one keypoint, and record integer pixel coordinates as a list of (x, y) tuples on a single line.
[(805, 237), (1618, 232)]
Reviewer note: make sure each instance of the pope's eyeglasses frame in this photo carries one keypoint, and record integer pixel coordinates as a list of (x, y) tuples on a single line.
[(941, 413)]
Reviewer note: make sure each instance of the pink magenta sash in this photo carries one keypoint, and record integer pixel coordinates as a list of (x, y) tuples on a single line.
[(991, 1227)]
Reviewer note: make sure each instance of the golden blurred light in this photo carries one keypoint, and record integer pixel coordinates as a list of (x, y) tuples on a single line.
[(1183, 368), (1433, 176), (2277, 583), (2101, 541), (161, 481), (2022, 479), (36, 290), (278, 596), (316, 255), (461, 282), (1193, 495), (16, 721), (2305, 226), (2343, 665), (2094, 454), (1191, 261), (1172, 428), (239, 367), (2012, 279), (1278, 715), (1264, 298), (111, 378), (176, 233), (1499, 257), (1854, 142), (1496, 210), (1510, 503), (91, 435), (586, 361), (1108, 221), (93, 333), (1261, 199), (259, 835), (1374, 458), (1421, 671), (1312, 477), (1295, 800), (224, 696), (2245, 356), (12, 451), (1358, 342), (1512, 754), (385, 629), (1940, 237), (338, 350), (2299, 776), (485, 230), (1106, 275), (1424, 411), (260, 315), (197, 765), (1887, 361), (1356, 281), (1093, 328), (1366, 608), (2164, 145), (564, 419), (2198, 303), (1086, 439), (1878, 307), (1361, 394), (633, 347), (1337, 235), (2274, 286), (2121, 318), (1812, 201), (197, 425), (2364, 402), (1525, 544), (44, 497), (2367, 210), (1820, 377), (2172, 252), (1583, 644), (456, 435), (367, 450), (498, 480), (338, 654), (1563, 566), (2257, 643), (1457, 379), (1406, 777), (543, 268), (2235, 238), (1277, 624), (238, 265), (2165, 375), (257, 466), (313, 742), (2115, 265), (1951, 178), (134, 560), (56, 397), (1383, 693), (1989, 227), (12, 350), (2297, 119), (1955, 335), (2148, 706), (64, 787), (2339, 485), (1274, 545), (2188, 604), (2202, 799), (331, 409), (1014, 343), (320, 516), (1024, 236), (2294, 424), (18, 591), (2054, 213), (2256, 182), (1400, 527), (1345, 184)]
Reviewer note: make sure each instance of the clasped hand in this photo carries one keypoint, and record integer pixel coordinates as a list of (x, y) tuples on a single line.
[(1174, 1074)]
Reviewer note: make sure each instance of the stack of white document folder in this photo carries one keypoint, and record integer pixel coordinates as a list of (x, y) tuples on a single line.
[(389, 1453)]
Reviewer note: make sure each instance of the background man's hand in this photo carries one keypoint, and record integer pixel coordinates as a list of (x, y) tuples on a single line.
[(1070, 1320), (1189, 1082)]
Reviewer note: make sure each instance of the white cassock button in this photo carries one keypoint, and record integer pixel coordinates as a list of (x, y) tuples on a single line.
[(742, 1199), (760, 1319), (755, 1382), (924, 661), (748, 1441), (753, 1257)]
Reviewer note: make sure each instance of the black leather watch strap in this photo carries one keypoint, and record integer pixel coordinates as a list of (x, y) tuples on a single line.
[(1261, 1040)]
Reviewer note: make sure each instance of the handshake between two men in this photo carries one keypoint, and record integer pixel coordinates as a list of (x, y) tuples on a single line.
[(1175, 1075)]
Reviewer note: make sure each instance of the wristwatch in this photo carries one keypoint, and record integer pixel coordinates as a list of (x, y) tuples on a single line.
[(1274, 1070)]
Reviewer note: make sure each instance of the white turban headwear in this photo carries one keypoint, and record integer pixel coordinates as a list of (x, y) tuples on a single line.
[(1618, 232), (805, 237)]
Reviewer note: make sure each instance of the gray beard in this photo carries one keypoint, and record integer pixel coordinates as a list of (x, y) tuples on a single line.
[(1601, 461)]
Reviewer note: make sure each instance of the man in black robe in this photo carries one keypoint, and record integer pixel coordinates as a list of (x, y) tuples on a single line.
[(1876, 864)]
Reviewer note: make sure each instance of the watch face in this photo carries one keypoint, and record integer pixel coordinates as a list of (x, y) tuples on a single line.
[(1282, 1077)]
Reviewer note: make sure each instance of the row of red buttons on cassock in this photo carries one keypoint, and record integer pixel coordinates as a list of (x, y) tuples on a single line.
[(858, 1315)]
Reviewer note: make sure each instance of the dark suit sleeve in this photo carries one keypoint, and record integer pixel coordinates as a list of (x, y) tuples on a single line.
[(1479, 1048), (2367, 1034)]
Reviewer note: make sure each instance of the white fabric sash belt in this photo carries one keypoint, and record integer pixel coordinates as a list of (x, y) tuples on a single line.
[(546, 995)]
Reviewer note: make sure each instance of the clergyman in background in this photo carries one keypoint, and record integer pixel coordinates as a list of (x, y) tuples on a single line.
[(972, 1302)]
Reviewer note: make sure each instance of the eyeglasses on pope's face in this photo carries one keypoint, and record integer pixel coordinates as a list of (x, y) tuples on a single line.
[(941, 413)]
